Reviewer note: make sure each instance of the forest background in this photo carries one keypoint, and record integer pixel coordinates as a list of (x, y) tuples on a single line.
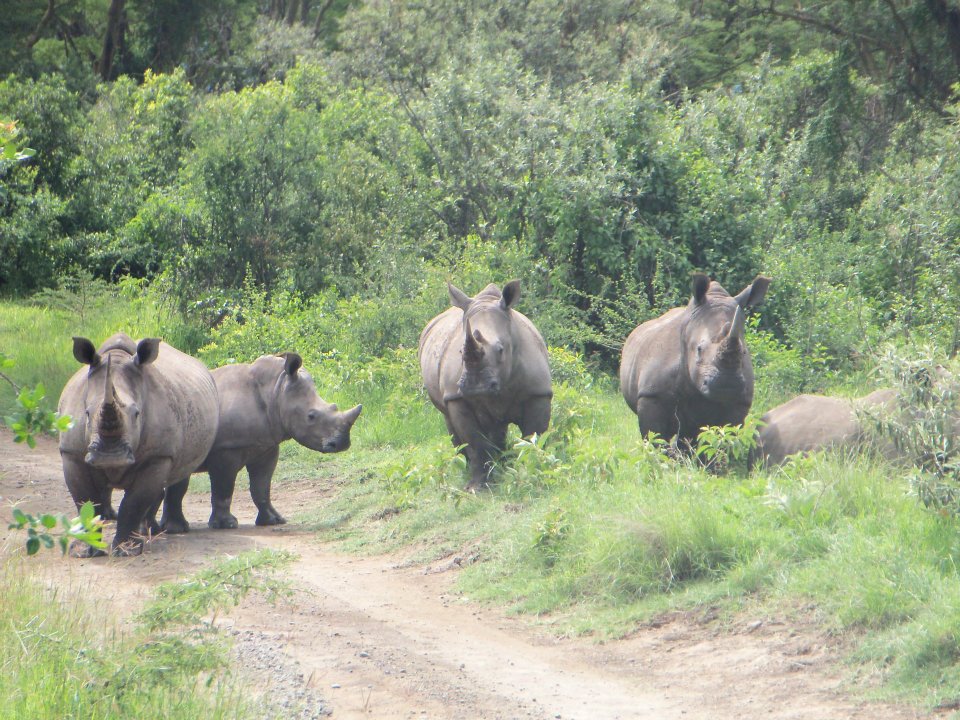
[(249, 177)]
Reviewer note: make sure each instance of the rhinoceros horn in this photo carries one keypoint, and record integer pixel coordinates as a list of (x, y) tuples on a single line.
[(352, 414), (731, 348), (472, 350), (110, 424)]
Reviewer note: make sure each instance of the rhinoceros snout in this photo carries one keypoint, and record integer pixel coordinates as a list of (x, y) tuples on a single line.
[(723, 386), (337, 444), (98, 456)]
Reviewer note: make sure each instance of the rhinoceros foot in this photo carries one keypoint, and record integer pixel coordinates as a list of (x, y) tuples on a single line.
[(82, 550), (223, 522), (128, 548), (270, 517), (475, 487), (175, 526), (109, 513)]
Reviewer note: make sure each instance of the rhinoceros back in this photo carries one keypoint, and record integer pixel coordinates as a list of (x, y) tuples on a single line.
[(183, 409)]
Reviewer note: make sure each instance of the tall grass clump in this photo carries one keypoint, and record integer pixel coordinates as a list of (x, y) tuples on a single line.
[(65, 656)]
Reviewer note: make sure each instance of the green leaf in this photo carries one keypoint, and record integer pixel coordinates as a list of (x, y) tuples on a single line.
[(86, 513), (19, 517), (33, 545), (48, 521), (47, 540)]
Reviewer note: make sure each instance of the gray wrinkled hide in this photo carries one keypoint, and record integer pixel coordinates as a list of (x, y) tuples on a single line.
[(690, 367), (484, 366), (809, 423), (262, 404), (159, 427)]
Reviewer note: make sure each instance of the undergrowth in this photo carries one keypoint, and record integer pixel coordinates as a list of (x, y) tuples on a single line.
[(64, 655)]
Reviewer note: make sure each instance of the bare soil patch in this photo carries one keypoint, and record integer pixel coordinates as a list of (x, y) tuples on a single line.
[(386, 638)]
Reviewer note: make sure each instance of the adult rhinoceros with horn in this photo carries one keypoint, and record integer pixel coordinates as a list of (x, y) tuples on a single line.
[(145, 416), (690, 367), (485, 366)]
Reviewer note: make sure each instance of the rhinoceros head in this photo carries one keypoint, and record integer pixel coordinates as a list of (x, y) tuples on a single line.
[(305, 417), (114, 390), (714, 350), (487, 338)]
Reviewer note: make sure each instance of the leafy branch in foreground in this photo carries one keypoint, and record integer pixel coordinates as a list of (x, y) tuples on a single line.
[(31, 418), (41, 529)]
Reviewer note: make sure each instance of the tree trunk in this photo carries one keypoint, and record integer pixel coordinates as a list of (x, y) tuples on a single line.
[(291, 14), (113, 40), (323, 11)]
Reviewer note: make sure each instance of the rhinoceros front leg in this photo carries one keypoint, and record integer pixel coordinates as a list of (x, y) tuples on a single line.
[(83, 488), (140, 498), (536, 416), (173, 520), (261, 476), (657, 416), (483, 444), (223, 471)]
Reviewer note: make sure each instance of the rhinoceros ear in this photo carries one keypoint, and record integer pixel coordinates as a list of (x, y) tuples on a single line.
[(701, 283), (753, 293), (510, 295), (147, 351), (84, 352), (458, 298), (292, 363)]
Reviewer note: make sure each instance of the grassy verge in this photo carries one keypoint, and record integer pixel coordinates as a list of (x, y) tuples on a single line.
[(596, 529), (63, 655)]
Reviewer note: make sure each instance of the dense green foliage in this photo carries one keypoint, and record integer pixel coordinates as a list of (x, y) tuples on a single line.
[(599, 152), (247, 177)]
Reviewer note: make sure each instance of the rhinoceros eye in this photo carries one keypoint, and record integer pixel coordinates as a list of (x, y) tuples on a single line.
[(312, 415)]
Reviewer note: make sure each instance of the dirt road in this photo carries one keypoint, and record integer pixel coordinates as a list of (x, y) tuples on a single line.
[(389, 639)]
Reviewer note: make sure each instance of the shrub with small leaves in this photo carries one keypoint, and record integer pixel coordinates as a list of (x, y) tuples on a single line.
[(722, 447), (41, 529)]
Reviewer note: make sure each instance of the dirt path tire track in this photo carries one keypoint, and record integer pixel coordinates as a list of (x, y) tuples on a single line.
[(383, 638)]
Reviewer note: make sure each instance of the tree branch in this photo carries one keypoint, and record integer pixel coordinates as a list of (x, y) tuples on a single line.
[(47, 18)]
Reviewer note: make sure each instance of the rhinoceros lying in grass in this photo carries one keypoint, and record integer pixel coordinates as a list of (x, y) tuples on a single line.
[(809, 423), (485, 366), (690, 367), (262, 404), (145, 416)]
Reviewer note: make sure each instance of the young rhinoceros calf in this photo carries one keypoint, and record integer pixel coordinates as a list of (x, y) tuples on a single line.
[(145, 416), (809, 423), (485, 366), (262, 404), (690, 367)]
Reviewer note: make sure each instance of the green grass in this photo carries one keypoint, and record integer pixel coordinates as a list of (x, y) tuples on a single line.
[(63, 655), (596, 530), (38, 338)]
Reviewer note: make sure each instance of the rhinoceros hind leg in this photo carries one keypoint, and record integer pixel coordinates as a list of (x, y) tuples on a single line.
[(270, 517), (223, 478), (173, 521)]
